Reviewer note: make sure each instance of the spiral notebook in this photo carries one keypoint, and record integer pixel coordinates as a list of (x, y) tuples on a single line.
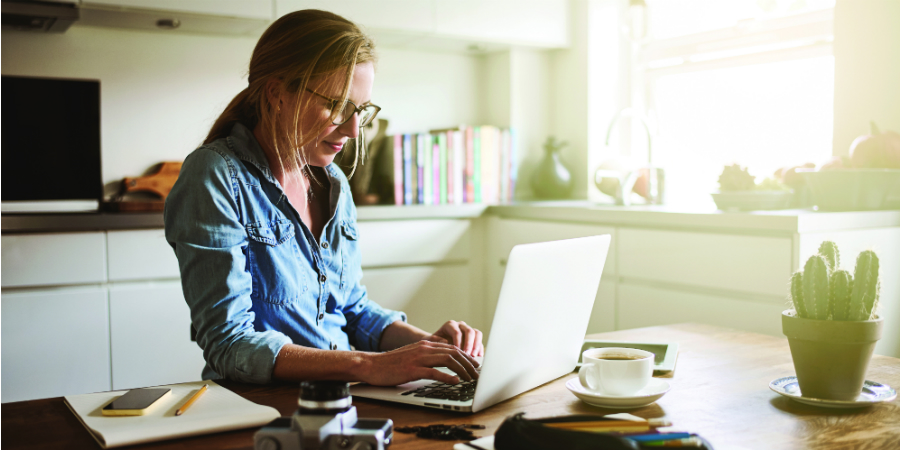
[(217, 410)]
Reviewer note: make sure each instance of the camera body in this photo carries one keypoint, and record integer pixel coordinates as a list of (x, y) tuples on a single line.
[(325, 420)]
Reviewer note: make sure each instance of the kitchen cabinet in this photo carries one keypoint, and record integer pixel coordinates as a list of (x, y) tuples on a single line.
[(241, 18), (50, 259), (415, 16), (253, 9), (55, 342), (149, 326)]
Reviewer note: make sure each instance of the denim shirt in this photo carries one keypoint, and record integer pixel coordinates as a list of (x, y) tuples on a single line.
[(254, 276)]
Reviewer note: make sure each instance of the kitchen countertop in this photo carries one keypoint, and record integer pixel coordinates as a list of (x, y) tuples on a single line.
[(659, 216)]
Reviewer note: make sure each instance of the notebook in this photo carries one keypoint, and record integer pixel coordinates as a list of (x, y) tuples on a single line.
[(542, 315), (217, 410)]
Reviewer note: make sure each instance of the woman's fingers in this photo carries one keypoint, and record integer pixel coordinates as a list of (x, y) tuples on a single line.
[(430, 373), (470, 334)]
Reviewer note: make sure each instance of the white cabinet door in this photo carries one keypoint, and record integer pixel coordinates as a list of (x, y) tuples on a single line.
[(55, 342), (429, 295), (414, 242), (753, 264), (390, 15), (140, 255), (643, 306), (543, 23), (150, 330), (254, 9), (508, 233), (53, 259)]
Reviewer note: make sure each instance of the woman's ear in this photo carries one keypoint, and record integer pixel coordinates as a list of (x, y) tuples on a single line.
[(273, 92)]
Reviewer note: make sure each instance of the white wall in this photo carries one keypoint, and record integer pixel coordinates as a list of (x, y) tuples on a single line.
[(866, 68), (160, 92)]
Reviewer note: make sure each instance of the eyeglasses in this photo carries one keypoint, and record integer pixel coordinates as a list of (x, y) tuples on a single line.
[(347, 110)]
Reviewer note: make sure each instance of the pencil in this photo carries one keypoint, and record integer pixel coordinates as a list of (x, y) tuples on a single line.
[(191, 400)]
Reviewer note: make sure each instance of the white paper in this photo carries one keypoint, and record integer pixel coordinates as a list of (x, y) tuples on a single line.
[(216, 410)]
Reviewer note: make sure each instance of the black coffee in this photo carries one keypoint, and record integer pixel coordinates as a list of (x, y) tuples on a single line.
[(620, 357)]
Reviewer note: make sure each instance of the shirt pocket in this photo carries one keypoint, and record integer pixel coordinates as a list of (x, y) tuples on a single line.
[(273, 259), (350, 257)]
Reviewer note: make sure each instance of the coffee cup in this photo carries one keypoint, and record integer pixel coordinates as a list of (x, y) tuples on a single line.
[(615, 371)]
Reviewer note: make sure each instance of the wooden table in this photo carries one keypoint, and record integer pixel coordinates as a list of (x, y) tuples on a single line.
[(719, 390)]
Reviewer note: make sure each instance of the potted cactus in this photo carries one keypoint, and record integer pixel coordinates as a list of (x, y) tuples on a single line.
[(833, 326)]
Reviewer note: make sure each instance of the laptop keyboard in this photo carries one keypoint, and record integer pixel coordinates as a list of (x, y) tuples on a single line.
[(464, 391)]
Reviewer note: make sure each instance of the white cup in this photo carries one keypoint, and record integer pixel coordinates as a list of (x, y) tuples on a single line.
[(615, 371)]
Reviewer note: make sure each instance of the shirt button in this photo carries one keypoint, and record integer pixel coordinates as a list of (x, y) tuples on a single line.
[(325, 245), (323, 278), (333, 346), (321, 316)]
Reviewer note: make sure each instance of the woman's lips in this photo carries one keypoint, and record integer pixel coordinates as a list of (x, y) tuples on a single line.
[(335, 147)]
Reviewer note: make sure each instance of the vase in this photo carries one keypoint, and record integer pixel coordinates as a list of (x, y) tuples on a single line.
[(551, 179), (831, 356)]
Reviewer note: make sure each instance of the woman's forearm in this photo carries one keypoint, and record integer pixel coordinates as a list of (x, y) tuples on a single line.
[(298, 363), (400, 333)]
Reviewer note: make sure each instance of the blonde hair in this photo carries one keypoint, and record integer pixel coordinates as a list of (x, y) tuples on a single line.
[(299, 47)]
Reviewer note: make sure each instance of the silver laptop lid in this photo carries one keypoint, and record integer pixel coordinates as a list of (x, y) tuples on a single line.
[(542, 315)]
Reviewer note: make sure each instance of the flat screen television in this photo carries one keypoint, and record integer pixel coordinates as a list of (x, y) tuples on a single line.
[(50, 145)]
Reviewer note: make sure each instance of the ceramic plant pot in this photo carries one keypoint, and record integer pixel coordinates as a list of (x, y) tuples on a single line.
[(831, 356)]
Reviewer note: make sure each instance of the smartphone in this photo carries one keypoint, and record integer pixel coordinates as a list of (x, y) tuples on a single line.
[(135, 402)]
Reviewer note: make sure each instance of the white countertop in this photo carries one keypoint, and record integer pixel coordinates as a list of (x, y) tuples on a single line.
[(667, 217)]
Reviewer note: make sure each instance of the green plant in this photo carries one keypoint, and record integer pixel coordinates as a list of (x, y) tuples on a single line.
[(823, 291), (736, 178)]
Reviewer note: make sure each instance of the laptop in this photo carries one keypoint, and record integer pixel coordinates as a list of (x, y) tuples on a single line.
[(539, 325)]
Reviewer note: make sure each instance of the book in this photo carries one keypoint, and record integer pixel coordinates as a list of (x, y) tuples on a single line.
[(398, 169), (407, 170), (442, 171), (421, 145), (218, 410)]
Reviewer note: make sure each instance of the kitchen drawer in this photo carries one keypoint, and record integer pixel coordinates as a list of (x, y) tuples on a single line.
[(150, 332), (413, 242), (140, 255), (509, 233), (753, 264), (52, 259), (55, 342), (643, 306)]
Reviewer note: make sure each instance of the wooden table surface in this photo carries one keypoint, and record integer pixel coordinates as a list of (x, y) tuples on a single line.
[(719, 390)]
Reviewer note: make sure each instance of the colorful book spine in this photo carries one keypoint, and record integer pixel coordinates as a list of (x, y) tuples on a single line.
[(451, 182), (476, 166), (470, 166), (442, 173), (398, 169), (435, 172), (429, 174), (459, 167), (420, 166), (407, 169), (414, 168)]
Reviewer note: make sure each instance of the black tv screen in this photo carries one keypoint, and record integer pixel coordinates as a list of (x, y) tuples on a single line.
[(50, 139)]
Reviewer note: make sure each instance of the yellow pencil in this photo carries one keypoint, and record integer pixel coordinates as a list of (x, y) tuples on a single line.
[(191, 400)]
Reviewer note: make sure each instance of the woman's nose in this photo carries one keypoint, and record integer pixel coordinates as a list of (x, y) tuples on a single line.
[(350, 128)]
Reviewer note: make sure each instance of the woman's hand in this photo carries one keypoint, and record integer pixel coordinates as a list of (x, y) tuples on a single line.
[(417, 361), (460, 334)]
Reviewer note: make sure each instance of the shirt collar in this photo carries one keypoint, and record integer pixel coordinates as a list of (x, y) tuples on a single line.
[(247, 148)]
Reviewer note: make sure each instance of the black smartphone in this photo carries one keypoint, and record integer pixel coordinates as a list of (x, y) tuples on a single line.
[(135, 402)]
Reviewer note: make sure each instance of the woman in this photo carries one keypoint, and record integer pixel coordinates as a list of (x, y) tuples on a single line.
[(264, 226)]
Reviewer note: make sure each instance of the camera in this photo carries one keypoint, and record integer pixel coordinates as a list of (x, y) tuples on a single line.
[(325, 419)]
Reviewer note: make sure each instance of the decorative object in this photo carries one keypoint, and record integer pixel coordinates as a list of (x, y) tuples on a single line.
[(833, 326), (738, 190), (151, 189), (872, 393), (852, 189), (551, 179)]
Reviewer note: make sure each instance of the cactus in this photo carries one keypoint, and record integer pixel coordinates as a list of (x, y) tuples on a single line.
[(864, 295), (832, 256), (797, 294), (841, 286), (816, 289)]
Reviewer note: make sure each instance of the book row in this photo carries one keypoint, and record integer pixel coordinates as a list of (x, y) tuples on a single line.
[(454, 166)]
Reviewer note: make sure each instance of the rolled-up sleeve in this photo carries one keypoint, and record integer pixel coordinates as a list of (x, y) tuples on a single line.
[(203, 226), (367, 320)]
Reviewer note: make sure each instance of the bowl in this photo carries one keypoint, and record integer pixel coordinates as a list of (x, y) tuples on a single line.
[(752, 200), (853, 189)]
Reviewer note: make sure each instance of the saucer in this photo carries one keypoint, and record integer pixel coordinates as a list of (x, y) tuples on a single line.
[(649, 394), (871, 394)]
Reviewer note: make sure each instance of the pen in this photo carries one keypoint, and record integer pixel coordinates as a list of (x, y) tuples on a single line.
[(191, 400), (643, 438)]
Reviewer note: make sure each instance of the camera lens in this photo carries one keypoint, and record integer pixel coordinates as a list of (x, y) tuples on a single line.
[(324, 396)]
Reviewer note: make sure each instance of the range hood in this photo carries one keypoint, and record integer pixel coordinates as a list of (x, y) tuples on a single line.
[(39, 16)]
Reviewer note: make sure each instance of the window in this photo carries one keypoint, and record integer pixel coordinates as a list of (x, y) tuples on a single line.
[(743, 81)]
